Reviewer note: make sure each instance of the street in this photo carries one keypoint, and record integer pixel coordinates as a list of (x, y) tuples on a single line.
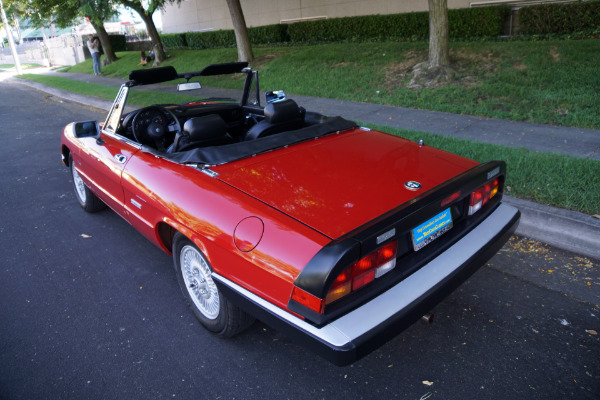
[(91, 309)]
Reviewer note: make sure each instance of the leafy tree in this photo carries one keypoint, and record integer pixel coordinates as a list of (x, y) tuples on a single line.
[(64, 12), (13, 10), (97, 11)]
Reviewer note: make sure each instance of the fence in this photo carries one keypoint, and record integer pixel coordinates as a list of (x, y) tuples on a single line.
[(57, 51)]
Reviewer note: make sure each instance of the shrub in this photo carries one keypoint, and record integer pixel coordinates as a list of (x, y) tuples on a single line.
[(477, 22), (369, 27), (118, 42), (210, 39), (174, 40), (559, 18), (463, 23), (269, 34)]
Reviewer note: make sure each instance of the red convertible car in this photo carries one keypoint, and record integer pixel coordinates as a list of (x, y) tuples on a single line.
[(337, 235)]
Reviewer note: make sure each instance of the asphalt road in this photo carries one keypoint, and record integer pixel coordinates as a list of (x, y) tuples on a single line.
[(91, 309)]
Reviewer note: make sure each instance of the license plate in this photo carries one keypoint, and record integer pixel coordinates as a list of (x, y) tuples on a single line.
[(431, 229)]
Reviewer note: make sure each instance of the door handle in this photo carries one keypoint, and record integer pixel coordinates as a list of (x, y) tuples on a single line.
[(120, 158)]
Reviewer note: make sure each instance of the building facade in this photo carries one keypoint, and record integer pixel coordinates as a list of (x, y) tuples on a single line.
[(207, 15)]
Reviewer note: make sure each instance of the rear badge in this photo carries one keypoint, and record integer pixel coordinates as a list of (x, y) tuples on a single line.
[(412, 185)]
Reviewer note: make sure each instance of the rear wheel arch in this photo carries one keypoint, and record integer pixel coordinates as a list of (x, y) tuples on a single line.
[(166, 233)]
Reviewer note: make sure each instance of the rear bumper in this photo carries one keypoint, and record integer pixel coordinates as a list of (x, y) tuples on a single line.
[(369, 326)]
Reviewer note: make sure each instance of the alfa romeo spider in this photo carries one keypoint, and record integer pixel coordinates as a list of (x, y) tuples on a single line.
[(337, 235)]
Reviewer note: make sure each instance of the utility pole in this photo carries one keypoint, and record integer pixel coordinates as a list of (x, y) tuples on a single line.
[(11, 41)]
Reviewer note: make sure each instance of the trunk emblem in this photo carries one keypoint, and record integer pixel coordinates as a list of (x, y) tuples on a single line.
[(412, 185)]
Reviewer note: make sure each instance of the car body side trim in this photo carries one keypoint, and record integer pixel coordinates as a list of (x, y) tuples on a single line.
[(353, 335)]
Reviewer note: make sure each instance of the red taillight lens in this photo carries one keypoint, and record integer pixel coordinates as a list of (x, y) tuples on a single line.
[(364, 271), (482, 195), (308, 300), (450, 198)]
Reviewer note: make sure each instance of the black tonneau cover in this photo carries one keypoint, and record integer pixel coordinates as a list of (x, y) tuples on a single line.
[(217, 155)]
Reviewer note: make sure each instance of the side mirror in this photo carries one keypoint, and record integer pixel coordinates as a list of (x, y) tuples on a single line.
[(275, 96), (86, 129), (182, 87)]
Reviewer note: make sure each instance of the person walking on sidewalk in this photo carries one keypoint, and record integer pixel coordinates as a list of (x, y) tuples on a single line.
[(94, 45)]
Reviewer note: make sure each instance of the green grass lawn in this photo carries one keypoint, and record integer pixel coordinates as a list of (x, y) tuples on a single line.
[(24, 66), (551, 82)]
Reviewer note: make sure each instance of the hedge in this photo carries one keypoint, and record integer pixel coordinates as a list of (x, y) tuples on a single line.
[(265, 35), (174, 40), (269, 34), (463, 23), (119, 43), (210, 39), (369, 27), (477, 22), (559, 18)]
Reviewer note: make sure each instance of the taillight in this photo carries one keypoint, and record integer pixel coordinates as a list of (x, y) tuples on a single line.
[(363, 272), (308, 300), (482, 195)]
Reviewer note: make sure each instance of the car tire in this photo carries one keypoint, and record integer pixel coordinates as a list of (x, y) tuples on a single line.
[(87, 200), (194, 274)]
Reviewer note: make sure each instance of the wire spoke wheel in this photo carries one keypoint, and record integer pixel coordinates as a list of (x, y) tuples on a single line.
[(199, 283), (195, 276), (79, 186), (86, 199)]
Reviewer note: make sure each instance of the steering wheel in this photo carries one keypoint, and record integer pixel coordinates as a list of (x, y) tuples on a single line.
[(155, 126)]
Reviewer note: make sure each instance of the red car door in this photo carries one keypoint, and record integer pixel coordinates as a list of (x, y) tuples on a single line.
[(101, 163)]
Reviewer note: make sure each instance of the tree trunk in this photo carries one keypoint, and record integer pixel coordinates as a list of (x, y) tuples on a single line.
[(438, 34), (159, 51), (157, 46), (241, 31), (436, 71), (109, 53)]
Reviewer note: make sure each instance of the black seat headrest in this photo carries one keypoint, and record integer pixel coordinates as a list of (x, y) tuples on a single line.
[(282, 111), (206, 127)]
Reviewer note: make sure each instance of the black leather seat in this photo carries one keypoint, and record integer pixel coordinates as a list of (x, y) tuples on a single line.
[(280, 116), (208, 130)]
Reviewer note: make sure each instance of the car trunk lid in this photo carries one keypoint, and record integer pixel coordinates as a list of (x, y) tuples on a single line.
[(340, 182)]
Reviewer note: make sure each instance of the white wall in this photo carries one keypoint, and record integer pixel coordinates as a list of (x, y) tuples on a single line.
[(199, 15)]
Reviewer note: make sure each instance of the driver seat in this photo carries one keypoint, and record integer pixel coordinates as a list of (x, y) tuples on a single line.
[(208, 130)]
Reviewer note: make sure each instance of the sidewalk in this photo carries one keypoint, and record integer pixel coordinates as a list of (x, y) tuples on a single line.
[(565, 229)]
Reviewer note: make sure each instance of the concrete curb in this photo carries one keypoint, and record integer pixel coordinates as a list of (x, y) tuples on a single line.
[(82, 99), (567, 230)]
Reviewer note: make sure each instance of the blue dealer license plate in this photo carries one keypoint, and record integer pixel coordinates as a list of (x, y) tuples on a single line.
[(430, 230)]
